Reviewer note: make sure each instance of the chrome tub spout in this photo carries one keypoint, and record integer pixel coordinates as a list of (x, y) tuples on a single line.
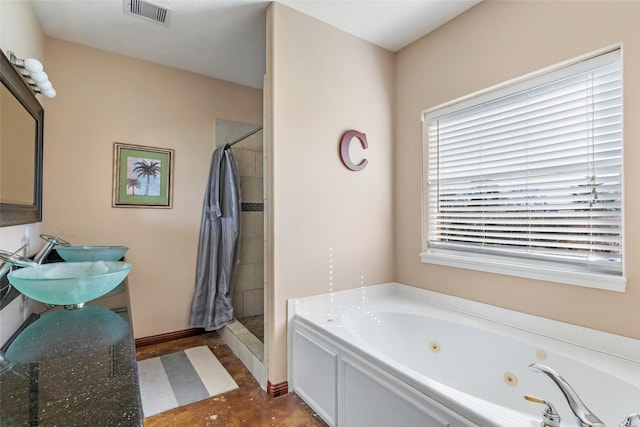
[(584, 416), (629, 420)]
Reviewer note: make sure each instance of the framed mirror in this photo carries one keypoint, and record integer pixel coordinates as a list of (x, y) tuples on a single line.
[(21, 135)]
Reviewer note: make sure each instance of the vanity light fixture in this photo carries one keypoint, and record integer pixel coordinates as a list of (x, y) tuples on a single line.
[(33, 73)]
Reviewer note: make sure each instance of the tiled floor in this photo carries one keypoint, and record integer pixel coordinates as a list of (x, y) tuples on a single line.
[(246, 406)]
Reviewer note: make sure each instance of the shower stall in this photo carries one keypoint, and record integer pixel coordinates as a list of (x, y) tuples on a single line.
[(248, 288)]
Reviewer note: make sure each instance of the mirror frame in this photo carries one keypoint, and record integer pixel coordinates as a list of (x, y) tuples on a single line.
[(14, 214)]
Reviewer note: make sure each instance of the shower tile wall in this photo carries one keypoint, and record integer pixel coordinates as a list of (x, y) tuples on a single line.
[(248, 293)]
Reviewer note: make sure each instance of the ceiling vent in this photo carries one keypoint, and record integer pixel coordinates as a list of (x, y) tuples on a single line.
[(147, 10)]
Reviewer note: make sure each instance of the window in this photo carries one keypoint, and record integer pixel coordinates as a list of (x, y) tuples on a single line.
[(526, 179)]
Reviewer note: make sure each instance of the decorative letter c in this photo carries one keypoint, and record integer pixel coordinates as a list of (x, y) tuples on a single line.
[(344, 149)]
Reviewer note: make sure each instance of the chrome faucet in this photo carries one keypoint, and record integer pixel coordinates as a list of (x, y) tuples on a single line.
[(584, 416), (7, 261), (550, 417), (51, 241), (6, 266), (10, 259), (627, 421)]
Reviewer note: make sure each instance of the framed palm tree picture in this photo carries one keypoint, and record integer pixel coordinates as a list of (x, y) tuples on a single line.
[(142, 176)]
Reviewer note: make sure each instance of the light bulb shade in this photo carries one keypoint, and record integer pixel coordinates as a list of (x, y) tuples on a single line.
[(50, 93), (46, 85), (39, 77), (33, 65)]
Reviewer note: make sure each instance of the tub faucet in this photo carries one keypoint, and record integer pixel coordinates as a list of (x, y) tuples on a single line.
[(627, 421), (584, 416), (550, 417)]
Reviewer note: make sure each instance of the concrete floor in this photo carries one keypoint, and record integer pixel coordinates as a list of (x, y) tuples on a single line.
[(246, 406)]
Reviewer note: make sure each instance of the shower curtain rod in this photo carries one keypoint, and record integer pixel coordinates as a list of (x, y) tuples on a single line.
[(258, 129)]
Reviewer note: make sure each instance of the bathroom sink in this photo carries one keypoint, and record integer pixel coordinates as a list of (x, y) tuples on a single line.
[(91, 253), (69, 283)]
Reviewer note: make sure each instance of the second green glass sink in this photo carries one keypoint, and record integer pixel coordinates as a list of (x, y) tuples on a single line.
[(91, 253)]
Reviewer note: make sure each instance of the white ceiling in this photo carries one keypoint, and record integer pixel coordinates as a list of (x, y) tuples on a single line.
[(225, 39)]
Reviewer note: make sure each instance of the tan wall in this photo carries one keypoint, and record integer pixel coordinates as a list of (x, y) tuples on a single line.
[(21, 32), (330, 228), (103, 98), (491, 43)]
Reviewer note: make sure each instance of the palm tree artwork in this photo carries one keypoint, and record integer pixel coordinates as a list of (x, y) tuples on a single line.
[(133, 183), (147, 170)]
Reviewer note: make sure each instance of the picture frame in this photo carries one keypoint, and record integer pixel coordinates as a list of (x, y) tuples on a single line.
[(142, 176)]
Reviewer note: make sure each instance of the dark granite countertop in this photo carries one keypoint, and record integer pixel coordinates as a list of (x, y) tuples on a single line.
[(73, 367)]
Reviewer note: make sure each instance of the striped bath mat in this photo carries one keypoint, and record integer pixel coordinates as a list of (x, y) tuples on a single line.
[(180, 378)]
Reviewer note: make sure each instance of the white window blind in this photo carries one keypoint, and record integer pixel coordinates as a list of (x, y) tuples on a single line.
[(531, 174)]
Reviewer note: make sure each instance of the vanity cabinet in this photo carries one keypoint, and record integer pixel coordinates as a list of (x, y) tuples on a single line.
[(73, 367)]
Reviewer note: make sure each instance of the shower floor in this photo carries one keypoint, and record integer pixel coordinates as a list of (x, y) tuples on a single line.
[(255, 325)]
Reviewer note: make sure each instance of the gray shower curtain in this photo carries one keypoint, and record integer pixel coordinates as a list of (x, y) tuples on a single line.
[(218, 246)]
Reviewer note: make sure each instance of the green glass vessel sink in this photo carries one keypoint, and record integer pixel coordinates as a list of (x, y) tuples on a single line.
[(69, 283), (91, 253)]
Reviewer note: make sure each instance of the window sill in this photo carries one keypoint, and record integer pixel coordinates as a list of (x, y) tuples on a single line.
[(548, 272)]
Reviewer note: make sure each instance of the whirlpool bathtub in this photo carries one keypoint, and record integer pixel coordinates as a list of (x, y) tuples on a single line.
[(391, 355)]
